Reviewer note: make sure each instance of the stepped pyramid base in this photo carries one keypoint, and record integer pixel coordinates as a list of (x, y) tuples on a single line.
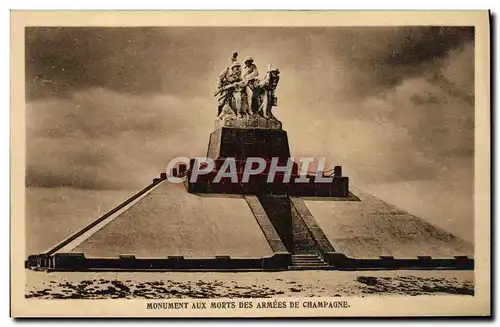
[(165, 228)]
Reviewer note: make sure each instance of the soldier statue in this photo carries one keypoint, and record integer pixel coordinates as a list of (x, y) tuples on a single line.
[(223, 82), (250, 74), (231, 87), (267, 88)]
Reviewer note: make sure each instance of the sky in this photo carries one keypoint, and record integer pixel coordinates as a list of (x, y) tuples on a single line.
[(107, 108)]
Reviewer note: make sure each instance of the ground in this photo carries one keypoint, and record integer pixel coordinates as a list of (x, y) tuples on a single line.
[(165, 285)]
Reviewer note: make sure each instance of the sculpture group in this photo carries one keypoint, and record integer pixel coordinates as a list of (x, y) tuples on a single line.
[(243, 92)]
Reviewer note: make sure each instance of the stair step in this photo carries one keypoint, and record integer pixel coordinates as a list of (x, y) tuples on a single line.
[(308, 268), (309, 264), (306, 262), (307, 259)]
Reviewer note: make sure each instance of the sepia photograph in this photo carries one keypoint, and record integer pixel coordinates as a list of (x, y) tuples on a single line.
[(216, 164)]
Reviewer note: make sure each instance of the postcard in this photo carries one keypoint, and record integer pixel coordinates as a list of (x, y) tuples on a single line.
[(250, 163)]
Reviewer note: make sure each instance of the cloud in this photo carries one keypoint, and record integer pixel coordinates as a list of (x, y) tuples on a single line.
[(106, 140), (386, 103), (182, 60), (419, 129)]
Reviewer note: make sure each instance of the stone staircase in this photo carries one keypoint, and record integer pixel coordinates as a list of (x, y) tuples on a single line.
[(307, 262)]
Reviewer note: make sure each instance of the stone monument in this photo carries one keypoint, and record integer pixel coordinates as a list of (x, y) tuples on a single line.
[(241, 132)]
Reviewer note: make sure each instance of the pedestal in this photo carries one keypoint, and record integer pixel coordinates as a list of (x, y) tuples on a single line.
[(241, 143), (247, 121)]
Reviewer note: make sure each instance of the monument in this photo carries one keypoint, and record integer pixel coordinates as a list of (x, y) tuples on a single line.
[(277, 217), (246, 127)]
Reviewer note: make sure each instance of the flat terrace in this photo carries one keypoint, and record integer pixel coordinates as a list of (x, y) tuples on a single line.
[(371, 228), (168, 221)]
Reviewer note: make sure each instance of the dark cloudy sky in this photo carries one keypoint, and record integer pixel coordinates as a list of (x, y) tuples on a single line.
[(113, 105)]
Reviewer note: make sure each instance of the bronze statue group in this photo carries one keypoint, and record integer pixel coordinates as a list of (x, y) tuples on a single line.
[(243, 92)]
